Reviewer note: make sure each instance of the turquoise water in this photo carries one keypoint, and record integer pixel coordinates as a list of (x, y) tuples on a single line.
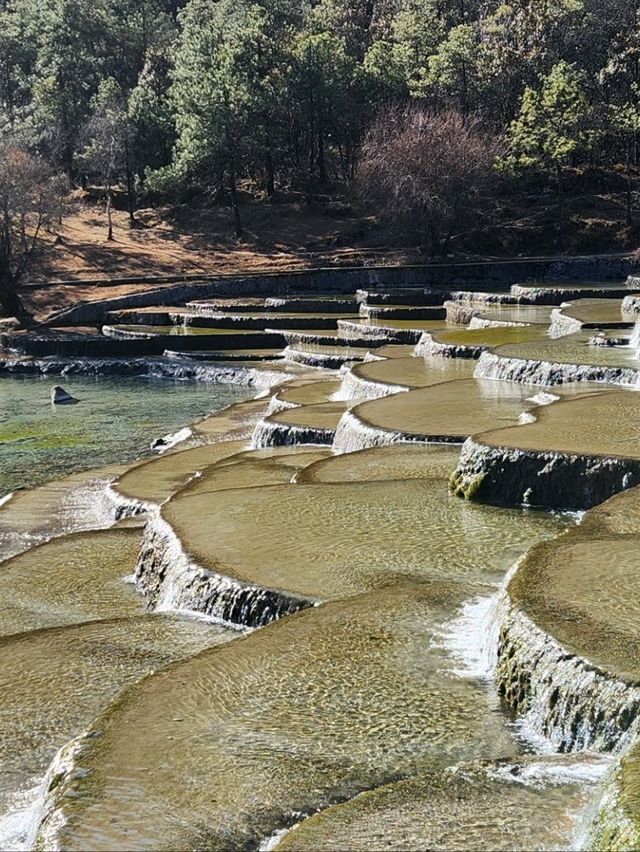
[(115, 420)]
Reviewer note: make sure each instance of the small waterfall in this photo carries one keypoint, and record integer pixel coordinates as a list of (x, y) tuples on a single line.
[(276, 404), (472, 636), (560, 696), (268, 433), (634, 340), (327, 360), (484, 298), (172, 582), (484, 322), (354, 434), (562, 325), (351, 328), (497, 367), (355, 387), (428, 347)]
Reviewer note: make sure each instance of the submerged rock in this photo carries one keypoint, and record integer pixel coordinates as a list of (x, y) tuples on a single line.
[(59, 396)]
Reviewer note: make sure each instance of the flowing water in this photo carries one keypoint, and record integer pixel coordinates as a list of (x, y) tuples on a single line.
[(413, 652)]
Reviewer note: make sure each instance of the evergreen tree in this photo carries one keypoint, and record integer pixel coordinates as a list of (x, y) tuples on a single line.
[(551, 127)]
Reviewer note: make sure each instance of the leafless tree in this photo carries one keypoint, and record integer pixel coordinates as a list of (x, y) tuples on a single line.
[(30, 196), (434, 168), (106, 152)]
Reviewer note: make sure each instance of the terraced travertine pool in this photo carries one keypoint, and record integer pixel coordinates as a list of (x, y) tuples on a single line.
[(284, 628)]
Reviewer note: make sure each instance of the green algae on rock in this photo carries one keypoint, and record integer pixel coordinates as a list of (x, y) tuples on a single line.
[(616, 826)]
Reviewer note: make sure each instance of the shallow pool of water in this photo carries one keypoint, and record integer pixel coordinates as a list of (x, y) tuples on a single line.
[(115, 420)]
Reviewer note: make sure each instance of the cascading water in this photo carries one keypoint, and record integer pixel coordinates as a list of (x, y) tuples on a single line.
[(172, 582)]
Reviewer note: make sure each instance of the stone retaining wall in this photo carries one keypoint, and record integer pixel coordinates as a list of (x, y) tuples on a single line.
[(468, 275)]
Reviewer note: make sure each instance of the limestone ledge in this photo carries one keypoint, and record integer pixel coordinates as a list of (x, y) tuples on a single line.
[(354, 434), (146, 367), (559, 695), (471, 297), (428, 347), (485, 322), (616, 825), (460, 313), (492, 365), (351, 328), (324, 360), (171, 580), (268, 433), (355, 387), (49, 823), (550, 479)]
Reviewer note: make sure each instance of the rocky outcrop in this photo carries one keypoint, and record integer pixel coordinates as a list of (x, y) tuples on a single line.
[(554, 480)]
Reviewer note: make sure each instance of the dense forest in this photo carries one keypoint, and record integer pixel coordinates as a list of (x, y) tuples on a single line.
[(169, 98)]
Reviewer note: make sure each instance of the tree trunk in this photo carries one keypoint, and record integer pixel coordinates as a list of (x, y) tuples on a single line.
[(130, 194), (322, 168), (629, 185), (109, 220), (269, 176), (429, 239), (10, 302), (237, 222), (560, 205)]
